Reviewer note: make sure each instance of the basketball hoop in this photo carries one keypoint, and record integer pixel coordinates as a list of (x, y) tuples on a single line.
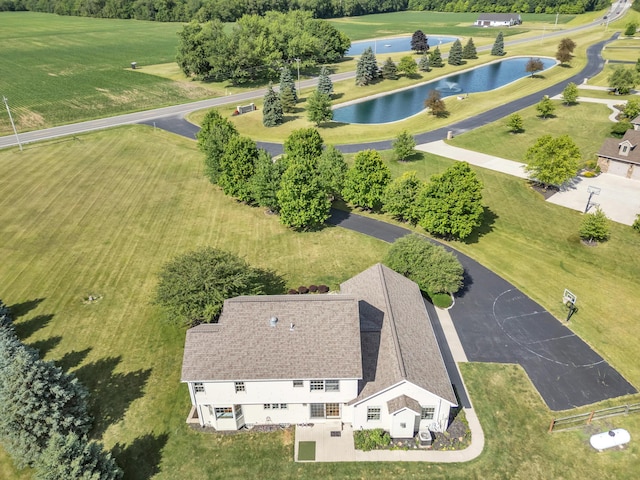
[(569, 300)]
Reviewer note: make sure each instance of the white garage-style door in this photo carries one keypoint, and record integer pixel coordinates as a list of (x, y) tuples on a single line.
[(618, 168), (636, 172)]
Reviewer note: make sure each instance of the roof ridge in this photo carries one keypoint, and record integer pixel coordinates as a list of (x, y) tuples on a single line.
[(394, 331)]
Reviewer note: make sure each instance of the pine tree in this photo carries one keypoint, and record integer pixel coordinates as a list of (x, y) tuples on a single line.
[(435, 58), (455, 54), (287, 100), (325, 85), (469, 51), (366, 68), (419, 42), (498, 46), (271, 109), (286, 80), (389, 70), (424, 64)]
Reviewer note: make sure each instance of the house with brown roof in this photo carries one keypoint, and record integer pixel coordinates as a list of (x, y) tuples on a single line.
[(621, 156), (367, 356), (498, 20)]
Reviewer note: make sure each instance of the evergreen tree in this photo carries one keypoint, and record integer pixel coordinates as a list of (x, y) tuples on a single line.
[(286, 80), (389, 70), (332, 169), (366, 180), (455, 54), (450, 204), (498, 46), (73, 457), (319, 108), (403, 145), (435, 59), (303, 201), (213, 137), (304, 143), (325, 85), (271, 109), (400, 196), (424, 64), (287, 100), (469, 51), (419, 42), (265, 182), (366, 68), (237, 166), (595, 226)]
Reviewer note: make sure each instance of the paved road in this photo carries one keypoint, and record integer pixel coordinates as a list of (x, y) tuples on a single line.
[(179, 111), (498, 323)]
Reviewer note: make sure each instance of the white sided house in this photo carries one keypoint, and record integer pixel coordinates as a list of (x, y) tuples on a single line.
[(367, 356), (498, 20)]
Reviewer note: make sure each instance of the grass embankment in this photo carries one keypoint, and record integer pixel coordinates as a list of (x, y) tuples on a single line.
[(586, 123), (120, 203), (65, 69)]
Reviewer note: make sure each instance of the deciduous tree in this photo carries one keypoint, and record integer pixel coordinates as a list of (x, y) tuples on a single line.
[(366, 180), (455, 54), (193, 286), (332, 170), (419, 42), (469, 51), (400, 196), (623, 79), (515, 124), (237, 166), (545, 107), (403, 145), (595, 226), (304, 143), (265, 182), (570, 94), (630, 29), (632, 108), (319, 108), (450, 204), (213, 137), (498, 46), (408, 66), (533, 66), (435, 104), (552, 160), (303, 201), (565, 50), (433, 268)]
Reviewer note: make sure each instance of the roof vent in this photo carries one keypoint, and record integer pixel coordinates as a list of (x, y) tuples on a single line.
[(273, 321), (291, 327)]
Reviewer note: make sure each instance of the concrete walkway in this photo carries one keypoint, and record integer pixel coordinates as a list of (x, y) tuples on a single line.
[(341, 448)]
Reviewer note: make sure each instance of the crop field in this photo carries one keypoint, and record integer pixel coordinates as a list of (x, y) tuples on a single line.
[(100, 214), (59, 70)]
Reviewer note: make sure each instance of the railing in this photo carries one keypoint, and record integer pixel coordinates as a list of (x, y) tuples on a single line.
[(577, 421)]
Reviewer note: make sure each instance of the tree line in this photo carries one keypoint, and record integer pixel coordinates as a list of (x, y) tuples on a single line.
[(230, 11), (201, 10), (257, 47), (45, 420)]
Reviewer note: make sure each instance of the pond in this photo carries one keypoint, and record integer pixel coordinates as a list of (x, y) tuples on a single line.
[(405, 103), (381, 46)]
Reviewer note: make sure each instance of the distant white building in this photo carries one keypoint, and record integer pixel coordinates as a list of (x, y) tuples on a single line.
[(498, 20), (367, 356)]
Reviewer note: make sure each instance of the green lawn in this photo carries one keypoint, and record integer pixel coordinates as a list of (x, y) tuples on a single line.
[(586, 123), (64, 69)]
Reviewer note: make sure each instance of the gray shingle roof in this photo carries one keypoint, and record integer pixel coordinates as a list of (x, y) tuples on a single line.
[(403, 401), (611, 147), (398, 342), (324, 343)]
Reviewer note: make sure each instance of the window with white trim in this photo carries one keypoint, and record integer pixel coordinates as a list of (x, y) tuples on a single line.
[(224, 412), (316, 385), (283, 406), (298, 383), (267, 406), (316, 410), (198, 388), (373, 413), (332, 410), (427, 413), (239, 386), (332, 385)]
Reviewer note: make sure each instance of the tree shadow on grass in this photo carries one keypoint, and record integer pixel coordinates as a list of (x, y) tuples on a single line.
[(27, 328), (273, 283), (20, 309), (140, 460), (111, 392), (488, 220), (44, 346), (72, 359)]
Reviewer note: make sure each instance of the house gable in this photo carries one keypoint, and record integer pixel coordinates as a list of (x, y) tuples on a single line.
[(623, 150)]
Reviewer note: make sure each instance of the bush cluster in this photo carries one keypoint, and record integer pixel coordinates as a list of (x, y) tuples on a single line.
[(371, 439), (310, 289)]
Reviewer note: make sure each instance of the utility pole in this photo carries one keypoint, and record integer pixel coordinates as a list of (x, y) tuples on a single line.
[(6, 103), (557, 13), (298, 62)]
